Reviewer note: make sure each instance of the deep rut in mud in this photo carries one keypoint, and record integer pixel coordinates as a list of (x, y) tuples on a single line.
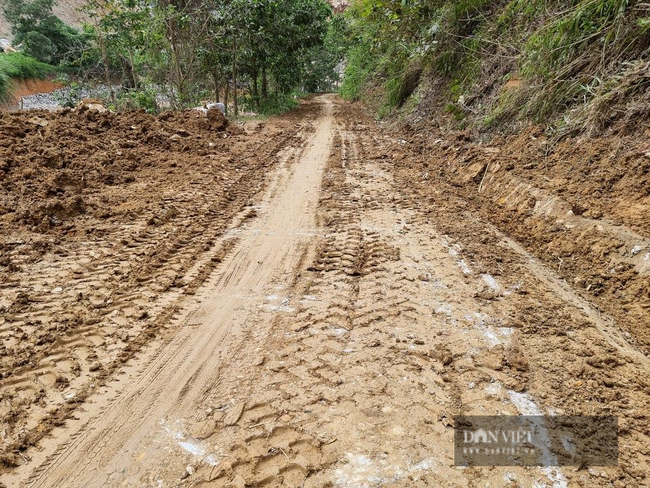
[(336, 328)]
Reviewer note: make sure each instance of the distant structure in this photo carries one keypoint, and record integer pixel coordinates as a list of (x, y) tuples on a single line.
[(5, 46)]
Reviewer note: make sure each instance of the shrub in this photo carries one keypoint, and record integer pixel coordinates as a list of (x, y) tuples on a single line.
[(273, 105), (18, 65), (139, 99), (361, 66)]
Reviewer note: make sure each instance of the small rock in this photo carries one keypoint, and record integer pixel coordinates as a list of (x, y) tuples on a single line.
[(203, 430), (233, 414), (447, 420), (517, 360)]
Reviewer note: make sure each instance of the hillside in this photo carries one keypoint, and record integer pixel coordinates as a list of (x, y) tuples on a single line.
[(66, 10), (573, 67)]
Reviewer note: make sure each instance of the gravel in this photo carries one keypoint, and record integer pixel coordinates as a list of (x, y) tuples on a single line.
[(70, 97), (67, 96)]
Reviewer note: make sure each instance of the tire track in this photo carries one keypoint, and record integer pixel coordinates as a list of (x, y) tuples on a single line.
[(184, 368)]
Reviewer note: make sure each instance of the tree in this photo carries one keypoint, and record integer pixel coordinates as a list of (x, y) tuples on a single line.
[(42, 34), (267, 41), (261, 48), (324, 64)]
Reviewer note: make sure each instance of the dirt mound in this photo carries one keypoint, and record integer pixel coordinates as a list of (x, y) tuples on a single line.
[(216, 119), (50, 159), (107, 222), (212, 120)]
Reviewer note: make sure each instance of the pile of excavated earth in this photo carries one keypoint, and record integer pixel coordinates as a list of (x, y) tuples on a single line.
[(101, 216)]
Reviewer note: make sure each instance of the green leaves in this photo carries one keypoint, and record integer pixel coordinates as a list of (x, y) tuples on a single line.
[(268, 35), (43, 35)]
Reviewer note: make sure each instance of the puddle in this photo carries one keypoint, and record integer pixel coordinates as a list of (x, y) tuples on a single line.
[(188, 444)]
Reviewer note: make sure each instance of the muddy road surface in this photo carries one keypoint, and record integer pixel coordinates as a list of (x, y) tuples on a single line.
[(290, 304)]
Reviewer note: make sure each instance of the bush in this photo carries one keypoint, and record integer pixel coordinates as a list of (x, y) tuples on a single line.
[(273, 105), (18, 65), (71, 95), (361, 65), (139, 99)]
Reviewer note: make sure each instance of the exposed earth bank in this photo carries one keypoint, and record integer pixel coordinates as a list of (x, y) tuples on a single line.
[(582, 205)]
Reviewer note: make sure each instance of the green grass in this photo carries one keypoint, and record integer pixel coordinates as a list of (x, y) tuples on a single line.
[(17, 66), (562, 39), (275, 104), (278, 104), (563, 54), (361, 65)]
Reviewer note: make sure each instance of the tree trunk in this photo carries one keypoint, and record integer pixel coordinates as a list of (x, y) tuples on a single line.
[(215, 78), (225, 95), (133, 73), (102, 48), (177, 72), (254, 80), (265, 83), (234, 79), (256, 92), (129, 76)]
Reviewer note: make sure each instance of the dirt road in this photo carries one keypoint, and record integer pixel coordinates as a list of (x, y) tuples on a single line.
[(334, 325)]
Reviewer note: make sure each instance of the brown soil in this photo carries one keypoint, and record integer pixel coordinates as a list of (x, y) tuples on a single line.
[(310, 302), (23, 88), (105, 220), (581, 205), (56, 166)]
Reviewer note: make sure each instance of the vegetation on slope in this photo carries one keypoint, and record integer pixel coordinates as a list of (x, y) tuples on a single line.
[(20, 67), (42, 34), (576, 65)]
